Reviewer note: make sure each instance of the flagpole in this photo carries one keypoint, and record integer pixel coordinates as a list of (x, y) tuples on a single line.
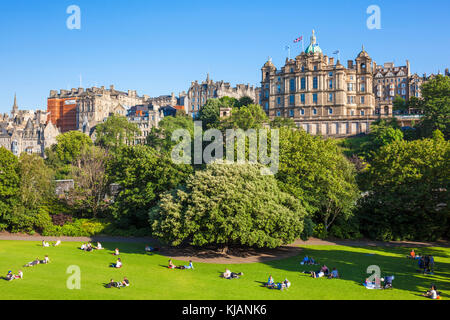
[(303, 45)]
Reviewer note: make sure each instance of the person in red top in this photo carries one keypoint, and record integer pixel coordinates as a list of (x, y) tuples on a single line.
[(412, 255)]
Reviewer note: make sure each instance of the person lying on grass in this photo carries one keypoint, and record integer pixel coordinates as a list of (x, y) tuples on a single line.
[(57, 243), (125, 282), (324, 271), (171, 265), (334, 274), (33, 263), (89, 247), (83, 247), (432, 293), (45, 261), (112, 284), (116, 252), (118, 264), (150, 249), (45, 244), (189, 266), (231, 275), (9, 276), (19, 275)]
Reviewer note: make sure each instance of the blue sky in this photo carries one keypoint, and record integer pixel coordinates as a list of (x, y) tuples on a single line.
[(157, 47)]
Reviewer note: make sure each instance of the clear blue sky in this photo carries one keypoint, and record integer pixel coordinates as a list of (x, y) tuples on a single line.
[(157, 47)]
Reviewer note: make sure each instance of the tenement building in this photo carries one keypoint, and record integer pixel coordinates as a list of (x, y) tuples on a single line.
[(321, 96), (145, 117), (199, 93), (26, 131), (80, 109)]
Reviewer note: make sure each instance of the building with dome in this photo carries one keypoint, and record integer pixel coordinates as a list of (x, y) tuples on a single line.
[(320, 94)]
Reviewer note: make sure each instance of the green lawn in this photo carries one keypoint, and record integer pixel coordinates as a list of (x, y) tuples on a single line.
[(150, 279)]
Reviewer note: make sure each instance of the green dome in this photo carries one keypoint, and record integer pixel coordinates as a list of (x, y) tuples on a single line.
[(313, 47)]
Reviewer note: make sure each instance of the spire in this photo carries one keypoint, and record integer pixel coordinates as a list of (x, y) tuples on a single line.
[(207, 77), (362, 48), (313, 38), (15, 108)]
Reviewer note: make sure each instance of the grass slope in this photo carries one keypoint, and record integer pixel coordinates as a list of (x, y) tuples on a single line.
[(150, 279)]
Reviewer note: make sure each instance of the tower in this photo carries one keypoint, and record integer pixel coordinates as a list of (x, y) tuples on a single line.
[(15, 108)]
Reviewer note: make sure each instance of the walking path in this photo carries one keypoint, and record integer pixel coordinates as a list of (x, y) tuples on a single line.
[(236, 256)]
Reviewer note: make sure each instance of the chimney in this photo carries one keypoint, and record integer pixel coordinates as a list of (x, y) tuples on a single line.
[(350, 64), (111, 87), (332, 61)]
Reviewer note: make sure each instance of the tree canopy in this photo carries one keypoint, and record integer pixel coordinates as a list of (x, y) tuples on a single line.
[(228, 205)]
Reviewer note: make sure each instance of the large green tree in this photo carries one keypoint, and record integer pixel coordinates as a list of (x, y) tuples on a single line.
[(247, 117), (143, 174), (9, 185), (62, 154), (407, 191), (435, 105), (315, 171), (115, 132), (228, 205)]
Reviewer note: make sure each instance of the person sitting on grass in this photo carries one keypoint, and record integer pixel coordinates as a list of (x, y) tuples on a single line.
[(150, 249), (190, 266), (89, 247), (45, 244), (171, 265), (286, 283), (83, 247), (431, 265), (116, 252), (412, 255), (112, 284), (334, 274), (125, 282), (19, 275), (99, 246), (270, 282), (118, 264), (58, 242), (432, 293)]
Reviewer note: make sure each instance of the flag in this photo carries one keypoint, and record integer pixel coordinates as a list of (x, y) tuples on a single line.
[(298, 39), (336, 52)]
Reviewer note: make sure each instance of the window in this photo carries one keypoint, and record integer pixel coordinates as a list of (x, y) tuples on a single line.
[(315, 68), (330, 111), (279, 88), (291, 113), (330, 97), (291, 99), (362, 100), (266, 93), (350, 87), (302, 112), (303, 68), (331, 84), (315, 83), (331, 73), (315, 111), (302, 97), (266, 106), (279, 100), (363, 87), (292, 85), (315, 97), (292, 70), (303, 83), (278, 114), (362, 112)]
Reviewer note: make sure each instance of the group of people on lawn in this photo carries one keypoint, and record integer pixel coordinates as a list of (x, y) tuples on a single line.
[(426, 263), (89, 247)]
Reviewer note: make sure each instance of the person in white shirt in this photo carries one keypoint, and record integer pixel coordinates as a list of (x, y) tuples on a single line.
[(45, 244), (57, 243), (19, 275), (46, 259), (83, 247), (118, 264), (227, 274), (99, 246), (432, 293)]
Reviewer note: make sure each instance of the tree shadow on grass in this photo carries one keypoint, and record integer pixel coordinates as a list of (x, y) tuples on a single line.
[(352, 266)]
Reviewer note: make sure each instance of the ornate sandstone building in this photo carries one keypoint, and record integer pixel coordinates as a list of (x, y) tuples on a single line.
[(26, 131), (199, 93), (321, 96)]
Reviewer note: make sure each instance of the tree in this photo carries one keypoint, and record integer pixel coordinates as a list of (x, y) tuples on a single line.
[(90, 181), (280, 122), (228, 205), (435, 105), (210, 114), (316, 172), (9, 185), (35, 181), (115, 132), (245, 101), (247, 117), (400, 104), (160, 138), (68, 147), (407, 191), (143, 174)]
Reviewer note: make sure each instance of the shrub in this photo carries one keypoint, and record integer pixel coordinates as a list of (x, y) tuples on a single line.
[(61, 219)]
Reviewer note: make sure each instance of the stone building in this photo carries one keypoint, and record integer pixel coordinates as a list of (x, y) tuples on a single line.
[(199, 93), (321, 96), (26, 131), (80, 109), (145, 117)]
